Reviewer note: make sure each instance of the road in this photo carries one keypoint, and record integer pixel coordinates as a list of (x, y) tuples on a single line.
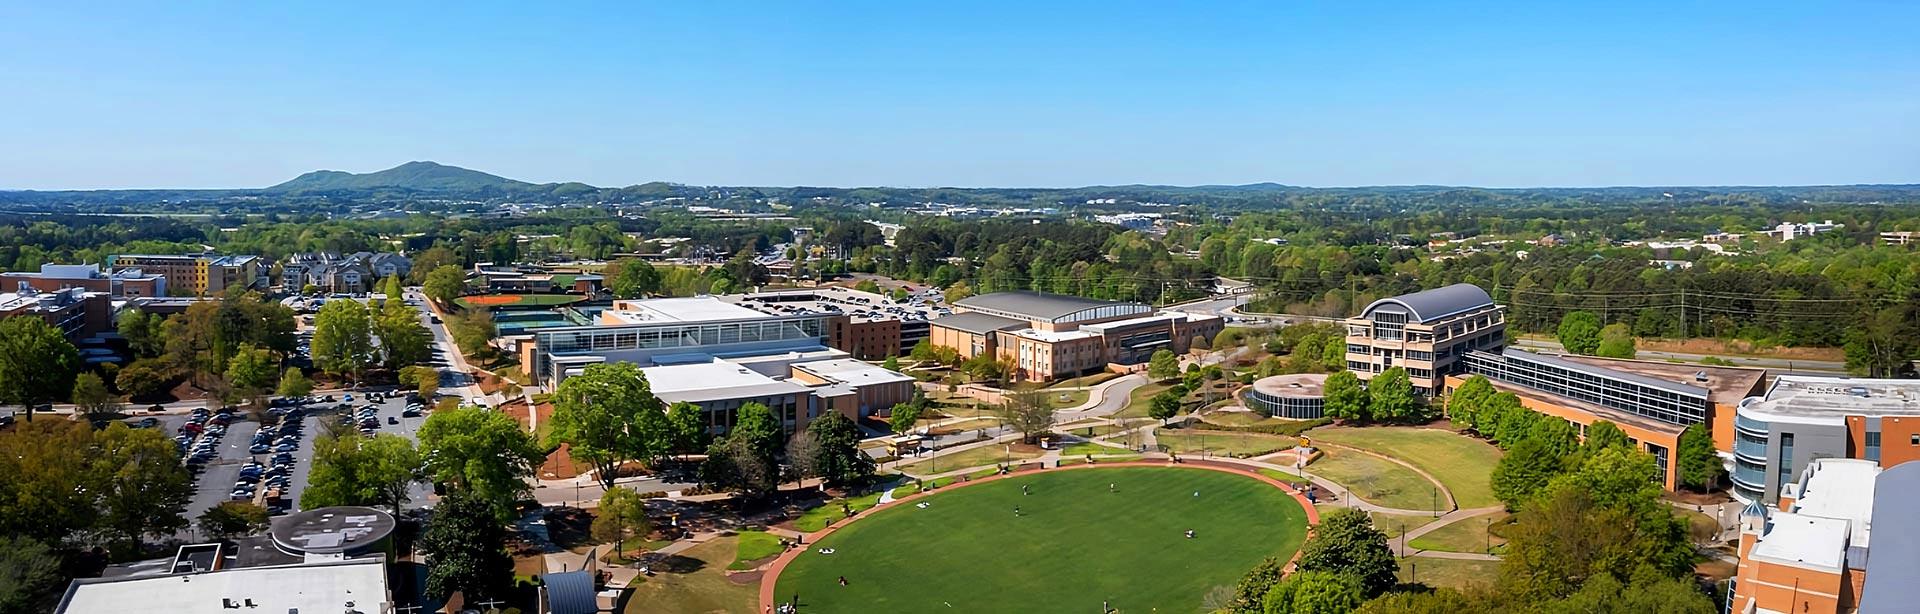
[(1809, 367), (455, 378), (1112, 397)]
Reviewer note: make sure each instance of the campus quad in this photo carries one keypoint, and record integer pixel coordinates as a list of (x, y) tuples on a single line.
[(1081, 537)]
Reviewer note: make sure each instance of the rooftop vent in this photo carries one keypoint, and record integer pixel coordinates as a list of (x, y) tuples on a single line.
[(1699, 376), (1858, 391)]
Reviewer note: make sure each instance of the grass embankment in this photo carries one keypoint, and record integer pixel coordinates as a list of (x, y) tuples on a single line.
[(1462, 464), (1374, 479)]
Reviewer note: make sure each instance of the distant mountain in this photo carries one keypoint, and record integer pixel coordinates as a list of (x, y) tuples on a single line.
[(412, 176)]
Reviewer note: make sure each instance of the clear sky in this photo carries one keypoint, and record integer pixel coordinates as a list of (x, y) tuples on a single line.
[(981, 93)]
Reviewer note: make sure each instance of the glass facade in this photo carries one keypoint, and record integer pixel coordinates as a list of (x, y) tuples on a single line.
[(1872, 451), (1594, 385), (1786, 459), (668, 336), (1293, 407)]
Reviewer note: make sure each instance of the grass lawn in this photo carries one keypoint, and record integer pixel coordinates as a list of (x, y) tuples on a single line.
[(1465, 535), (985, 455), (1137, 402), (1082, 449), (1103, 429), (967, 552), (754, 545), (1448, 573), (1461, 463), (1391, 524), (1066, 399), (1222, 443), (517, 300), (963, 425), (818, 518), (1373, 479), (705, 589), (1241, 418)]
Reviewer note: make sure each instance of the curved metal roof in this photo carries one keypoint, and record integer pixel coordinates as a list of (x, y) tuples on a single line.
[(1430, 305), (1040, 305)]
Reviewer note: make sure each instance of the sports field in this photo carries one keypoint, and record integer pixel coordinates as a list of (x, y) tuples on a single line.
[(503, 300), (1074, 545)]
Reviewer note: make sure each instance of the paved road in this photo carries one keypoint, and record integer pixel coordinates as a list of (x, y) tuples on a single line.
[(215, 481), (454, 370), (1811, 367), (1112, 396)]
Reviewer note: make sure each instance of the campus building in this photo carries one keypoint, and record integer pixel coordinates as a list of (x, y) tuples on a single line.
[(720, 356), (125, 283), (1426, 333), (349, 274), (1653, 402), (1050, 336), (197, 274), (1300, 396), (877, 326), (1810, 555), (76, 312), (1803, 418)]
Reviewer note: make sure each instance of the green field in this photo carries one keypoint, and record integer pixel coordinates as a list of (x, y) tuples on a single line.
[(1373, 479), (990, 454), (705, 588), (1074, 545), (1464, 535), (1222, 443), (754, 545), (1461, 463)]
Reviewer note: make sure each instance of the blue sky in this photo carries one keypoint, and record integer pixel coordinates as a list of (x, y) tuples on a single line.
[(110, 95)]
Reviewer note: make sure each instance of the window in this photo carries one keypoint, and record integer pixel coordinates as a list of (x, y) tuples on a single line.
[(1873, 446), (1786, 459)]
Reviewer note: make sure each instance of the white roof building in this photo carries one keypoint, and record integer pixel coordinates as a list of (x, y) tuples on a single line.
[(354, 586)]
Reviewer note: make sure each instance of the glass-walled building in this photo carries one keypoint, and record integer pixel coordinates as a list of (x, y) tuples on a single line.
[(1299, 396)]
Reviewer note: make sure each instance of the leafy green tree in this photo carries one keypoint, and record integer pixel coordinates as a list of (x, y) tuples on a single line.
[(903, 418), (621, 516), (48, 493), (1468, 402), (1525, 470), (231, 519), (1163, 366), (445, 283), (633, 278), (138, 483), (1884, 343), (1315, 592), (1616, 341), (30, 576), (1438, 601), (1028, 412), (734, 465), (351, 469), (403, 339), (1199, 344), (892, 363), (343, 338), (756, 423), (1163, 406), (145, 378), (605, 414), (145, 333), (1346, 542), (1700, 468), (252, 370), (1505, 419), (90, 396), (482, 453), (1580, 332), (293, 383), (1390, 397), (37, 363), (1603, 594), (922, 350), (689, 427), (392, 289), (1559, 436), (1250, 594), (464, 540), (1346, 399), (1602, 435), (1604, 518), (837, 457)]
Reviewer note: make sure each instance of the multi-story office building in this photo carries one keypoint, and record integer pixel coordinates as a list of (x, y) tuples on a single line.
[(76, 312), (197, 274), (125, 283), (1802, 418), (1425, 332), (876, 326), (1652, 402), (1811, 554), (1048, 336)]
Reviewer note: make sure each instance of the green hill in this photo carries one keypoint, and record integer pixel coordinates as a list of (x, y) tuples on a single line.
[(417, 176)]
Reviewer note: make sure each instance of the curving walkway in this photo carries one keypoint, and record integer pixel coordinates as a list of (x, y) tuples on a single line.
[(771, 578)]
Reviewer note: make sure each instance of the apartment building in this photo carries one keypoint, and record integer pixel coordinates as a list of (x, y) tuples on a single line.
[(1050, 336), (1426, 333), (125, 283), (350, 274), (197, 274)]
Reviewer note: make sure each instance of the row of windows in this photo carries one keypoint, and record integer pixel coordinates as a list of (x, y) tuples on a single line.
[(1297, 408), (1657, 403), (671, 336)]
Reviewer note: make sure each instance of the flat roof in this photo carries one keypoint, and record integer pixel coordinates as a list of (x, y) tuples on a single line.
[(1731, 383), (1605, 371), (1599, 411), (1831, 399), (972, 322), (852, 371), (1293, 385), (331, 530), (1053, 336), (1037, 305), (344, 586), (690, 309), (1842, 489), (1803, 540), (1107, 326), (712, 381), (1890, 571)]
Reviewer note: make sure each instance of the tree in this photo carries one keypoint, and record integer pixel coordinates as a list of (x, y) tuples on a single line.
[(343, 338), (252, 370), (1345, 398), (37, 363), (1315, 592), (138, 483), (688, 426), (1163, 406), (1346, 542), (1028, 412), (145, 333), (1390, 397), (1606, 517), (351, 469), (1580, 332), (1883, 343), (1700, 468), (622, 515), (47, 494), (1466, 404), (733, 465), (464, 541), (145, 378), (1163, 366), (403, 339), (482, 453), (633, 278), (445, 283), (30, 576), (230, 519), (756, 424), (837, 457), (424, 379), (1602, 435), (922, 350), (90, 396), (431, 260), (1604, 594), (957, 291), (293, 383), (1523, 471), (892, 363), (1506, 419), (1250, 594), (604, 415), (1616, 341), (903, 418), (1199, 344)]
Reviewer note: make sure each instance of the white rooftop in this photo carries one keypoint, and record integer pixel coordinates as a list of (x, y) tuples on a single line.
[(711, 381), (850, 371), (691, 309), (1841, 489), (1055, 336), (1829, 400), (350, 586), (1804, 541)]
